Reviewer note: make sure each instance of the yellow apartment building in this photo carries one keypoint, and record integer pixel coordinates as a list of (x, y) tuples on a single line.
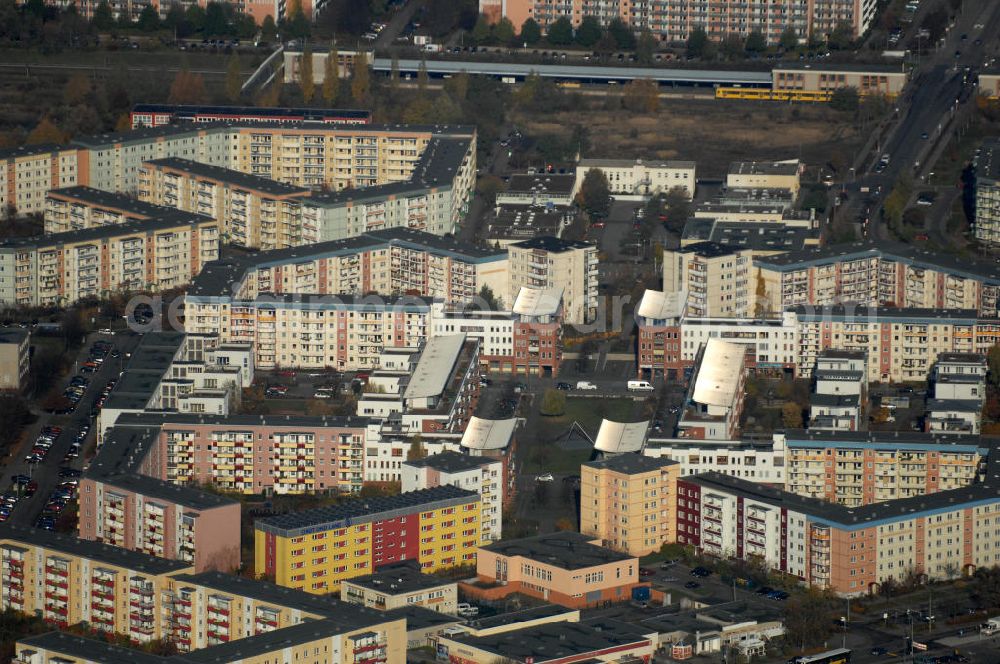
[(629, 502)]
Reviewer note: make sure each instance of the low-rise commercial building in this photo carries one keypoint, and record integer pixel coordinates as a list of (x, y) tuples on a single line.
[(547, 263), (987, 219), (15, 358), (628, 501), (150, 255), (765, 175), (399, 586), (315, 550), (512, 223), (867, 79), (760, 238), (76, 208), (541, 189), (563, 568), (29, 171), (640, 178), (482, 474)]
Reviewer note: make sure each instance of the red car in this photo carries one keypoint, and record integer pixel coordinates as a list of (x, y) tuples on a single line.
[(286, 373)]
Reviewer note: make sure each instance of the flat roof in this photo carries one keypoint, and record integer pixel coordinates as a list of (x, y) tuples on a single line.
[(879, 315), (13, 335), (558, 640), (522, 221), (32, 150), (144, 371), (167, 220), (962, 358), (262, 111), (956, 405), (229, 176), (835, 400), (451, 462), (150, 419), (551, 183), (899, 440), (484, 434), (399, 578), (522, 616), (100, 198), (707, 249), (988, 161), (782, 167), (91, 650), (564, 549), (757, 236), (96, 551), (364, 510), (631, 464), (593, 162), (553, 244), (840, 67), (718, 374), (438, 359), (621, 437)]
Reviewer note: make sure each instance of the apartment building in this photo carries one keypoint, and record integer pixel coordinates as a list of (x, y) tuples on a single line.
[(254, 212), (257, 454), (565, 568), (673, 20), (850, 550), (79, 207), (29, 171), (482, 474), (640, 178), (958, 393), (66, 580), (399, 586), (431, 162), (883, 274), (314, 550), (434, 388), (714, 401), (152, 255), (15, 358), (867, 79), (179, 372), (628, 501), (750, 458), (839, 391), (715, 278), (765, 175), (987, 165), (155, 115), (860, 468), (548, 262)]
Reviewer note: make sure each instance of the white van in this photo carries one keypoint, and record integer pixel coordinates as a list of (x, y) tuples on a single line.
[(640, 386), (585, 385)]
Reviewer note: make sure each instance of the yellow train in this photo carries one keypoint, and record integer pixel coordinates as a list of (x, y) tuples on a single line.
[(776, 95)]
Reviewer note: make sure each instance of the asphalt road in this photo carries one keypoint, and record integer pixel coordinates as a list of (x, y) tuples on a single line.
[(46, 473)]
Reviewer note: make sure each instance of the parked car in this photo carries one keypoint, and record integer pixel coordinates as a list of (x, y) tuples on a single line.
[(701, 572), (545, 477), (585, 385)]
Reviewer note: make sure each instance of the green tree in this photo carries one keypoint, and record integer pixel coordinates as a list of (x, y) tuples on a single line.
[(306, 82), (842, 37), (756, 42), (678, 207), (622, 34), (482, 32), (149, 19), (789, 39), (645, 48), (394, 72), (503, 31), (216, 23), (589, 32), (234, 78), (697, 43), (846, 100), (489, 298), (359, 80), (103, 19), (993, 364), (560, 32), (595, 193), (268, 29), (194, 15), (531, 32), (553, 403), (417, 450), (331, 77)]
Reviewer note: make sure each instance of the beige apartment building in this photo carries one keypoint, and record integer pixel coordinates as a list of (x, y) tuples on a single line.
[(888, 80), (549, 262), (861, 468), (254, 212), (765, 175), (29, 171), (883, 274), (14, 358), (673, 20), (59, 269), (716, 279), (77, 208), (628, 501)]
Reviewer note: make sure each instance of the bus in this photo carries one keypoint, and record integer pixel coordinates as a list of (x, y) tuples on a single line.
[(838, 656)]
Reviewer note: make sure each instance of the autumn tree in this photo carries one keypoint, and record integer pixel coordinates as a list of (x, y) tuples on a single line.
[(595, 193), (645, 48), (760, 296), (791, 415), (359, 81), (46, 131), (642, 96), (331, 76), (234, 79), (187, 88), (306, 83), (423, 79), (272, 95), (77, 89)]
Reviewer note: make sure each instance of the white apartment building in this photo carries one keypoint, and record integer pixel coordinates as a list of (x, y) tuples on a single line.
[(484, 475)]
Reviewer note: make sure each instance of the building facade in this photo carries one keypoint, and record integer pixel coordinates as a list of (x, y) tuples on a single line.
[(15, 358), (548, 262), (987, 220), (888, 80), (29, 171), (640, 178), (77, 208), (484, 475), (716, 279)]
